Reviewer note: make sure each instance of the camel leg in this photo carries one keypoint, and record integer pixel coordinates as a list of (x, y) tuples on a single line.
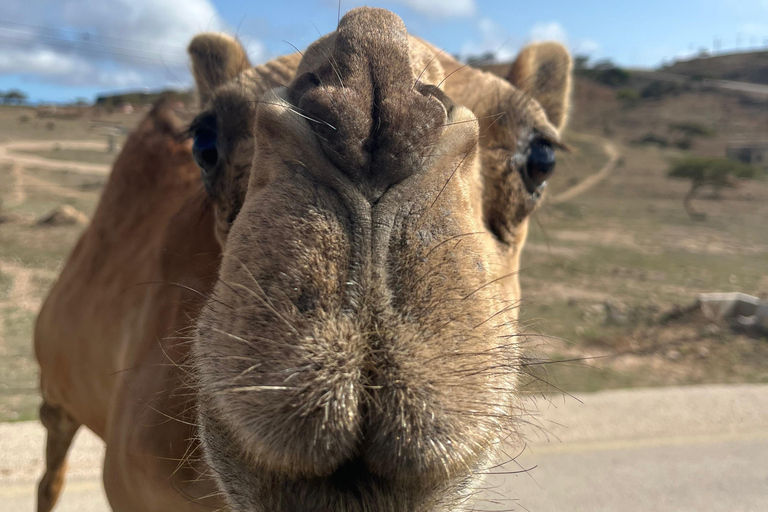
[(61, 429)]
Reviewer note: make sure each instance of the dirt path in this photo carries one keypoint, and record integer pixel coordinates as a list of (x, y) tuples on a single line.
[(613, 158), (9, 151)]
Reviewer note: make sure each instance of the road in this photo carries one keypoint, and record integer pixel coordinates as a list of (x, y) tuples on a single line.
[(726, 85), (668, 449)]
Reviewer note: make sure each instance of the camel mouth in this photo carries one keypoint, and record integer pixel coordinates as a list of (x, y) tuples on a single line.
[(350, 488)]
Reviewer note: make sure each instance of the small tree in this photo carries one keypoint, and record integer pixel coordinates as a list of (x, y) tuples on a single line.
[(717, 173), (580, 64), (14, 97), (479, 60)]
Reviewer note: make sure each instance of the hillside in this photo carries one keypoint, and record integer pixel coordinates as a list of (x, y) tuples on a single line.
[(648, 112), (738, 67), (142, 98)]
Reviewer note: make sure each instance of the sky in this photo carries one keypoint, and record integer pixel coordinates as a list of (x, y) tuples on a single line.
[(61, 50)]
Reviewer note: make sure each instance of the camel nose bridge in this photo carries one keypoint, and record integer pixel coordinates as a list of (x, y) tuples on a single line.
[(372, 46), (372, 121)]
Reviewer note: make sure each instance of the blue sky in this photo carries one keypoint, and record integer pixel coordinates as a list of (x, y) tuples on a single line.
[(58, 50)]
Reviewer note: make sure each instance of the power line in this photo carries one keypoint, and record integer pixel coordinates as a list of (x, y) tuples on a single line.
[(87, 35), (115, 52)]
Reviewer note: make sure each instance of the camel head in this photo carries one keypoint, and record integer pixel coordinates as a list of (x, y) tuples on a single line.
[(360, 351)]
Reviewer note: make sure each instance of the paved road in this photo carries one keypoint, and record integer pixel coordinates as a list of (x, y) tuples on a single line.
[(671, 450), (727, 85)]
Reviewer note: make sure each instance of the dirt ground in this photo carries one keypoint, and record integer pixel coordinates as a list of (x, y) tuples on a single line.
[(612, 231)]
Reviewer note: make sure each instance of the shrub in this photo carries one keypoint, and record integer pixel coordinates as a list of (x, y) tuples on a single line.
[(604, 72), (692, 129), (657, 90), (651, 139), (628, 97)]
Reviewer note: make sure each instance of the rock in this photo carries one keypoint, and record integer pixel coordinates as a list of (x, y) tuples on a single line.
[(64, 215), (727, 306), (594, 311), (674, 355), (615, 312)]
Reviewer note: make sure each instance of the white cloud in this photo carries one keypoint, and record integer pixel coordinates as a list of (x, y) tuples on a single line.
[(442, 8), (552, 31), (494, 38), (106, 43)]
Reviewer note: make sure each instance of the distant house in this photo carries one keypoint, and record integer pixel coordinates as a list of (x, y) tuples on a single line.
[(755, 153)]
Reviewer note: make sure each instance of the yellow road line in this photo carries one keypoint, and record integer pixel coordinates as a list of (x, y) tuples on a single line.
[(636, 444)]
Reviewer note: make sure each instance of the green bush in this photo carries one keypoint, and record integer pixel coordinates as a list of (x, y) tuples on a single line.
[(657, 90), (651, 139), (604, 72), (692, 129), (628, 97)]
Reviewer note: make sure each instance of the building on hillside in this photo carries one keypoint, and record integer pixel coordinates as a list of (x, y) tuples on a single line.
[(755, 153)]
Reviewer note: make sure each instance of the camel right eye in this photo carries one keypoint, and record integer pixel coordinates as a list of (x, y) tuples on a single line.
[(204, 147), (539, 166)]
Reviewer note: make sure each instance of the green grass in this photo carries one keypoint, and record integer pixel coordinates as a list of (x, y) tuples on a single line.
[(19, 396), (6, 281)]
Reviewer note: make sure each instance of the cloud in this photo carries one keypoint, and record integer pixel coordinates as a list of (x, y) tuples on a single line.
[(106, 43), (491, 38), (552, 31), (443, 8), (494, 38)]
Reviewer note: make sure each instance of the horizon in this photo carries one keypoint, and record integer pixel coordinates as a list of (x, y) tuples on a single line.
[(87, 48)]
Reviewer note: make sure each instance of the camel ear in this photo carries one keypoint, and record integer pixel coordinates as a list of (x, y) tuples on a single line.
[(543, 71), (216, 59)]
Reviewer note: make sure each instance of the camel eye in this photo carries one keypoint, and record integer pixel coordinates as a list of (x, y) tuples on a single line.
[(204, 147), (539, 165)]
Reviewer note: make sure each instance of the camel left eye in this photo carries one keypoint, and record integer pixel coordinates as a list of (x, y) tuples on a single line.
[(204, 147), (539, 166)]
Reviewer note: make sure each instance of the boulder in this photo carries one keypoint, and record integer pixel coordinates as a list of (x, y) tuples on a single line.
[(728, 306), (743, 312), (64, 215)]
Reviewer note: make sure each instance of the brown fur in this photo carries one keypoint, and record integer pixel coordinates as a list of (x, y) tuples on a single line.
[(358, 350), (105, 338), (229, 91)]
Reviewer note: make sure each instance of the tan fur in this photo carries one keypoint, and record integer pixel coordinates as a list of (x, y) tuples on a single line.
[(233, 103), (543, 71), (357, 350), (216, 59)]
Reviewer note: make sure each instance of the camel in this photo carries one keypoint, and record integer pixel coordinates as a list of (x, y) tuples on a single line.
[(312, 306)]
